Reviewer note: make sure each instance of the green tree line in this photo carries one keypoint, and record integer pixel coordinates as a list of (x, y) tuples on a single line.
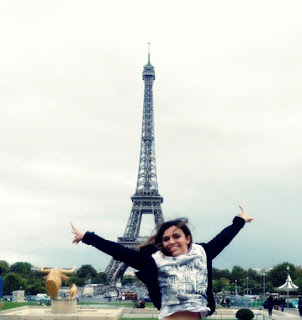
[(255, 282), (22, 275)]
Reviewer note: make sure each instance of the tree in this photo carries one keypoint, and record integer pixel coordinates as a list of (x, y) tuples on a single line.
[(298, 282), (76, 280), (128, 279), (215, 286), (278, 274), (86, 271), (101, 278), (254, 275), (238, 273), (222, 284), (35, 286), (254, 282), (5, 266), (225, 283), (217, 274), (22, 268), (12, 282)]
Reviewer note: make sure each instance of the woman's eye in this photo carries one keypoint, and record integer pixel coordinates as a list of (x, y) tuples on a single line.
[(176, 236), (166, 239)]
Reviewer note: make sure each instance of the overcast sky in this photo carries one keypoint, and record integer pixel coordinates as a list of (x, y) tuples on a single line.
[(227, 104)]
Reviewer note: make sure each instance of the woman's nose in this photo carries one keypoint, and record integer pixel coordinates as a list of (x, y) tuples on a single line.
[(171, 240)]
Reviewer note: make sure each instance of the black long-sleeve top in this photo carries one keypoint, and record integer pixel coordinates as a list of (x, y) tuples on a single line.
[(145, 264)]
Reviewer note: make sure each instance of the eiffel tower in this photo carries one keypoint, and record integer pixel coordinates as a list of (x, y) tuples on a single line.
[(146, 199)]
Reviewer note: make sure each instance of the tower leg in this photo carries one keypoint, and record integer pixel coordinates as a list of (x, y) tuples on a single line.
[(131, 238)]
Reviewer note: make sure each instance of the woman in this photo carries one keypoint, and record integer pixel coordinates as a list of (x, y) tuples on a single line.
[(176, 271), (300, 306), (270, 305)]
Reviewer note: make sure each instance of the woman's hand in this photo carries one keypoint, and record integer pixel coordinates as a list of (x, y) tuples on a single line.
[(244, 215), (78, 234)]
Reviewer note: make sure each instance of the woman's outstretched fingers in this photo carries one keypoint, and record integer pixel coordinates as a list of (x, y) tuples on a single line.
[(244, 215), (78, 234)]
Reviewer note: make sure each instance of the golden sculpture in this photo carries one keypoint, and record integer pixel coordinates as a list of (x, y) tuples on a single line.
[(73, 290), (54, 280)]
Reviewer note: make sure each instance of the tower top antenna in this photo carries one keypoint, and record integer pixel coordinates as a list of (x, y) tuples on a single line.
[(148, 52), (148, 68)]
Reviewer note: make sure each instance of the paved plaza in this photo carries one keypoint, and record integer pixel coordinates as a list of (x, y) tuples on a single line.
[(290, 314)]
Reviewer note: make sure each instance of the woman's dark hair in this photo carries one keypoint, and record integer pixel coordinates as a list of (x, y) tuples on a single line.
[(157, 239)]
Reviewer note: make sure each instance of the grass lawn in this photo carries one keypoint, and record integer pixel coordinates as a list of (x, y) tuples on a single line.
[(11, 305)]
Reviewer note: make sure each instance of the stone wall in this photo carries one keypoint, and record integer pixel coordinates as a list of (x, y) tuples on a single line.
[(18, 296)]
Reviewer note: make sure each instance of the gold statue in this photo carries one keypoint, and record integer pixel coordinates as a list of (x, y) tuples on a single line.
[(73, 290), (54, 280)]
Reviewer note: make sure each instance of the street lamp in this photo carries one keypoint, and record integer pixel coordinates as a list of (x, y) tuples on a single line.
[(287, 268), (247, 286), (236, 288), (263, 274)]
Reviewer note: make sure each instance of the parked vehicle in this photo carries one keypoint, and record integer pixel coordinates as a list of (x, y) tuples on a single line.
[(127, 295), (42, 297)]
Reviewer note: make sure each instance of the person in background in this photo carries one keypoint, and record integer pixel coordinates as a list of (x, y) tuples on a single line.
[(1, 289), (282, 304), (270, 305), (276, 303), (228, 302), (300, 306), (141, 303), (1, 285)]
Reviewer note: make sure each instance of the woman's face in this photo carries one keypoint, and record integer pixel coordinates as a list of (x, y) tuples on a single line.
[(175, 241)]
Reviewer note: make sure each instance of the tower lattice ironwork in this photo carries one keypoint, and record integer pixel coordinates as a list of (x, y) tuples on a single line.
[(146, 199)]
